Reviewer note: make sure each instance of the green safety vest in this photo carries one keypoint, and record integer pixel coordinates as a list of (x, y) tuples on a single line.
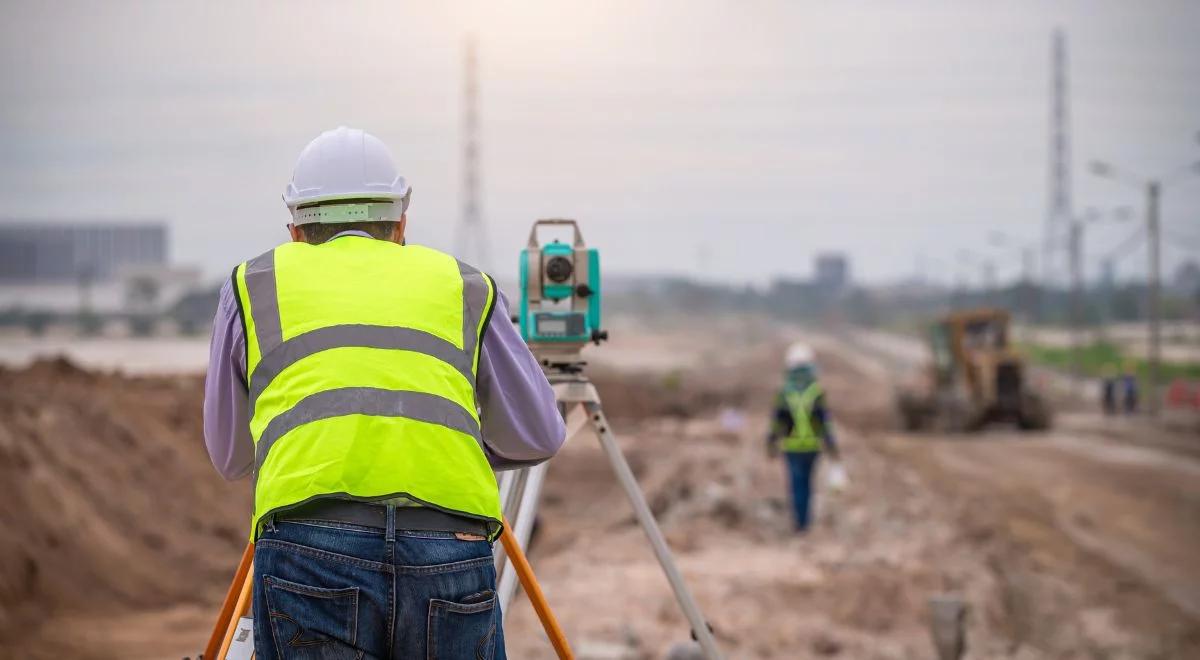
[(803, 437), (361, 358)]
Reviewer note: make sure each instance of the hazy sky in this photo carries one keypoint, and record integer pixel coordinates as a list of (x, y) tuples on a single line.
[(720, 139)]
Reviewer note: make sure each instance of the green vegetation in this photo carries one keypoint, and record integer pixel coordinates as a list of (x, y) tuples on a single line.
[(1098, 357)]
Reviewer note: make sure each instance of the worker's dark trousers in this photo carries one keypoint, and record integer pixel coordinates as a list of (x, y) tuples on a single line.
[(800, 471), (331, 590)]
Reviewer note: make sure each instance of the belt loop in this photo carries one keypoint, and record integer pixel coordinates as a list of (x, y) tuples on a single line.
[(391, 523)]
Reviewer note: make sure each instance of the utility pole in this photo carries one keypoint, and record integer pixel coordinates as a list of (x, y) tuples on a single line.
[(1153, 188), (1076, 256), (989, 282), (471, 243), (1058, 212), (1029, 300), (1108, 268)]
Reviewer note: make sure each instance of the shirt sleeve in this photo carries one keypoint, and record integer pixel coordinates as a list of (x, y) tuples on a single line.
[(521, 422), (226, 398)]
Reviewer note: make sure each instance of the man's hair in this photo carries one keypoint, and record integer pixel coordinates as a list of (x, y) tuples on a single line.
[(318, 232)]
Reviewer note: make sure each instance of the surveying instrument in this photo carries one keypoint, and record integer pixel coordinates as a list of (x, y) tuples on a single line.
[(559, 316)]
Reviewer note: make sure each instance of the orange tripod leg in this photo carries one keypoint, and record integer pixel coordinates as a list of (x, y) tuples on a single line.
[(534, 591), (225, 618), (239, 610)]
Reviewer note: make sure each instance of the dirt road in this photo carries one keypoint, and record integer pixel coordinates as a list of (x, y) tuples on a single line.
[(1070, 544), (1127, 488)]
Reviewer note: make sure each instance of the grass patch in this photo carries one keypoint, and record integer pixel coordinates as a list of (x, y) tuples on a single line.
[(1098, 357)]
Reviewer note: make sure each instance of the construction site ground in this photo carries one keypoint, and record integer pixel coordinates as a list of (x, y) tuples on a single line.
[(1076, 543)]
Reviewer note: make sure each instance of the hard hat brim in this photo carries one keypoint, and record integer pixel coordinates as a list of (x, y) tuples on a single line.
[(364, 208)]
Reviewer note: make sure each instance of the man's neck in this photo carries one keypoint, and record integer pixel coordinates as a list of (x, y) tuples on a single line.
[(350, 232)]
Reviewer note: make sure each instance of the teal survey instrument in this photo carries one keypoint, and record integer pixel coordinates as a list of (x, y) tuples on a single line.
[(560, 295), (559, 315)]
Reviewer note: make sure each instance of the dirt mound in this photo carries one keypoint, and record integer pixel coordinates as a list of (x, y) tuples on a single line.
[(108, 502)]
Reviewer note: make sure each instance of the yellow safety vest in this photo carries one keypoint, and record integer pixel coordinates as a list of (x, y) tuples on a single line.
[(361, 357), (803, 437)]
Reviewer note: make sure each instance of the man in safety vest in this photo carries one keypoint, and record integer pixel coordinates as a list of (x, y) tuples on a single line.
[(370, 389), (801, 426)]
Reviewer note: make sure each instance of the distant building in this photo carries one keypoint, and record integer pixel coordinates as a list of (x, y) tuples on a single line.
[(833, 272), (106, 268), (62, 253)]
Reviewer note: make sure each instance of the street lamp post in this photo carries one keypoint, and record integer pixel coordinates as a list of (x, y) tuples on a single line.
[(1154, 236), (1153, 191), (1076, 303)]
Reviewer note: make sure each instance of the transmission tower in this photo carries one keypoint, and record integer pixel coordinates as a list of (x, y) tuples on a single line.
[(1058, 211), (471, 244)]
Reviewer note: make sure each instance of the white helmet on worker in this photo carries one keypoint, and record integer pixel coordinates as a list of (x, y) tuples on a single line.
[(799, 355), (346, 175)]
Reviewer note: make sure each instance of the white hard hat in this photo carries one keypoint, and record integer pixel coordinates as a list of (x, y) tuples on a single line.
[(346, 164), (799, 355)]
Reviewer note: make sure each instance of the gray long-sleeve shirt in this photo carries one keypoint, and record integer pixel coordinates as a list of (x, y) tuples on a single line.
[(520, 419)]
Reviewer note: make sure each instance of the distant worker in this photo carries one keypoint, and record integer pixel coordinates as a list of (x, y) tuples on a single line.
[(1108, 390), (365, 387), (801, 426), (1129, 388)]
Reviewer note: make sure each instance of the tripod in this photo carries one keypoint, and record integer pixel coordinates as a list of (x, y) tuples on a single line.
[(520, 492)]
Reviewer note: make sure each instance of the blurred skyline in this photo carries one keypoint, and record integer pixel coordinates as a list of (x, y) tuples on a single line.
[(719, 140)]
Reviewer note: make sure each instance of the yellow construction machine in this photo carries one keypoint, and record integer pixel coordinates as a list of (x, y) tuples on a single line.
[(976, 377)]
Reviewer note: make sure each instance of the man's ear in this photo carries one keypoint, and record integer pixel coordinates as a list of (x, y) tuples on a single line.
[(398, 231), (296, 232)]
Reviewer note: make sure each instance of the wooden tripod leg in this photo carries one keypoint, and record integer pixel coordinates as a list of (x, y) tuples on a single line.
[(532, 589), (225, 618)]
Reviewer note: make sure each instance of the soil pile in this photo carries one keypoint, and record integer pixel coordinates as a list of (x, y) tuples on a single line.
[(110, 507)]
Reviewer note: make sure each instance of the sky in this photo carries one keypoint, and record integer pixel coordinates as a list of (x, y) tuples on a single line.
[(729, 141)]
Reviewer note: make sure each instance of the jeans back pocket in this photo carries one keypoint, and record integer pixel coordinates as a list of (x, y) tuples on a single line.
[(463, 631), (312, 622)]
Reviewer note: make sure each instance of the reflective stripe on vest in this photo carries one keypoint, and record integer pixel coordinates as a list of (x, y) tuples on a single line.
[(803, 437), (361, 358)]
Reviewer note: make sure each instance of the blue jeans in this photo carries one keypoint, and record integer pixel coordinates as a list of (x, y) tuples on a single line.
[(331, 591), (800, 468)]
